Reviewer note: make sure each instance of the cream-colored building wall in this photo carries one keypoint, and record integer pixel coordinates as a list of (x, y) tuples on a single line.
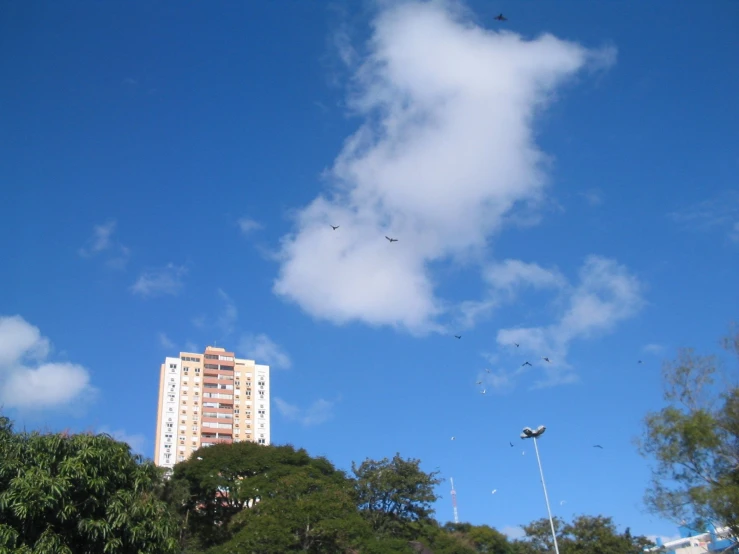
[(190, 406), (236, 403), (244, 375), (160, 407)]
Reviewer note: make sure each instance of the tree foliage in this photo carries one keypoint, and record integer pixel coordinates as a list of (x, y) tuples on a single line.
[(79, 494), (694, 441), (584, 535), (394, 493), (279, 499)]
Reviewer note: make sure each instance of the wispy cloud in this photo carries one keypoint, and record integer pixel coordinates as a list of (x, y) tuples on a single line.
[(718, 213), (264, 350), (605, 295), (594, 197), (653, 348), (23, 368), (137, 442), (102, 241), (157, 282), (229, 315), (505, 281), (444, 159), (165, 342), (318, 412), (192, 347), (247, 225)]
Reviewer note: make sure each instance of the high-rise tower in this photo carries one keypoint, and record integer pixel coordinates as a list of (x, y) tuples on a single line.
[(210, 398)]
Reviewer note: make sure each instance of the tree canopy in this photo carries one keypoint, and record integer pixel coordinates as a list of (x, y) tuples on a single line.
[(584, 535), (694, 441), (79, 494)]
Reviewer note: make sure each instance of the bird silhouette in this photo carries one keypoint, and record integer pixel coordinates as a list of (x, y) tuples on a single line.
[(501, 17), (638, 362), (597, 446), (334, 227), (391, 240), (478, 382), (509, 442), (483, 391), (546, 359), (457, 336), (452, 438), (525, 363), (487, 371), (517, 345)]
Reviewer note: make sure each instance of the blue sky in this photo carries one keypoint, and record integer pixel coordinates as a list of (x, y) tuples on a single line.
[(565, 180)]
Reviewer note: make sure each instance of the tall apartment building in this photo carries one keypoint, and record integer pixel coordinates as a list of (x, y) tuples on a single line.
[(207, 399)]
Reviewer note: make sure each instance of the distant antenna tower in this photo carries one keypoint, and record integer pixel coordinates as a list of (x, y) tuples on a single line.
[(454, 501)]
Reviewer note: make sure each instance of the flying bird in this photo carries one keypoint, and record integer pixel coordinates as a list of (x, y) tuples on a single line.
[(523, 453), (563, 503), (495, 490), (478, 382), (457, 336), (597, 446), (483, 391), (546, 359), (452, 438), (638, 362), (487, 370), (509, 442), (525, 363), (391, 240), (501, 17), (517, 345), (334, 227)]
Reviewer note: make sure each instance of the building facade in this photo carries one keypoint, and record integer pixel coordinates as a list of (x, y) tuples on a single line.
[(207, 399), (692, 541)]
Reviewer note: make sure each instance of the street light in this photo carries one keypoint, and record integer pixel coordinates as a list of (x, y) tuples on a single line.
[(529, 434)]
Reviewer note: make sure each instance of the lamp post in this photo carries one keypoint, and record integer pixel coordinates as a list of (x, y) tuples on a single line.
[(529, 434)]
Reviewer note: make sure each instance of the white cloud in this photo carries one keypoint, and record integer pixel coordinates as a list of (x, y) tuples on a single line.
[(721, 212), (445, 156), (318, 412), (166, 342), (248, 225), (27, 380), (505, 280), (101, 240), (264, 350), (606, 295), (229, 315), (594, 197), (137, 442), (653, 348), (513, 532), (166, 280)]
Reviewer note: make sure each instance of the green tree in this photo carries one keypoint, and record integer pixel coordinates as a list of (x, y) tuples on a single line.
[(598, 535), (79, 494), (300, 511), (694, 441), (392, 494), (481, 538), (585, 535), (218, 483)]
